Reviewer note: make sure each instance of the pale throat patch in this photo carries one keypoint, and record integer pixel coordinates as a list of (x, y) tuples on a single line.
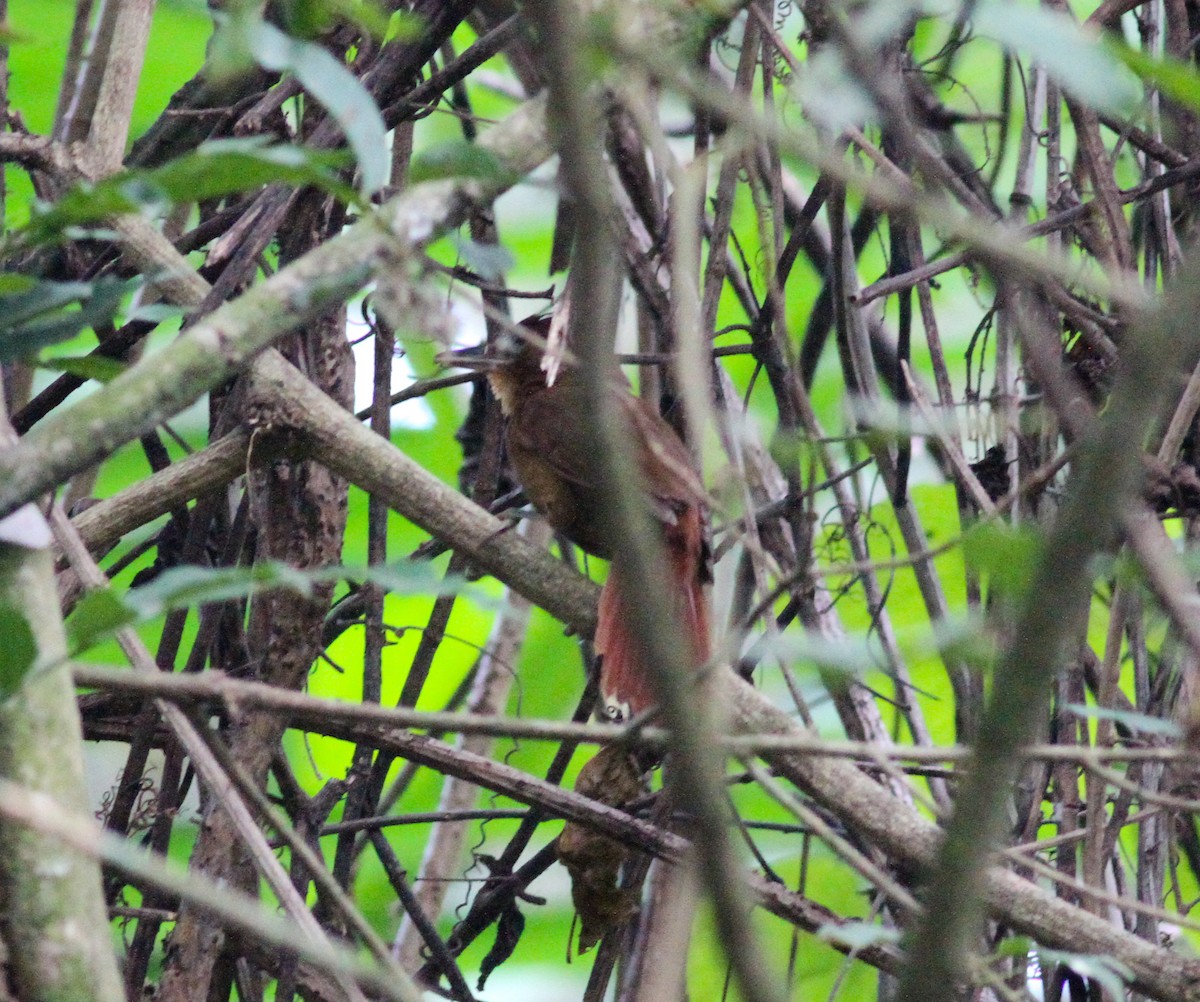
[(504, 386), (616, 711)]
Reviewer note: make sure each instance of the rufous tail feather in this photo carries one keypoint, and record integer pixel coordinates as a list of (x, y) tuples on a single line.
[(625, 684)]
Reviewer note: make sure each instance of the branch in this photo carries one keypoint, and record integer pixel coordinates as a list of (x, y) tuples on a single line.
[(695, 771), (215, 348), (54, 921), (218, 782), (1101, 491), (572, 806), (213, 688), (108, 129), (103, 524), (857, 800), (912, 840), (42, 815)]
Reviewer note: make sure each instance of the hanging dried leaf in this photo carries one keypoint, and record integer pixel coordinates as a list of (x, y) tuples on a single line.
[(508, 933), (594, 860)]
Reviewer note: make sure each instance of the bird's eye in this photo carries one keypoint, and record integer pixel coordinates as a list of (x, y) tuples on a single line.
[(616, 713), (508, 345)]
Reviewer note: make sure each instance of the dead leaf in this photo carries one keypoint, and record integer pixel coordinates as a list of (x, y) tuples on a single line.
[(508, 934), (594, 860)]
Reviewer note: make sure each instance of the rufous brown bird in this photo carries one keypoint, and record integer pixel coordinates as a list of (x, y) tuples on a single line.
[(552, 456)]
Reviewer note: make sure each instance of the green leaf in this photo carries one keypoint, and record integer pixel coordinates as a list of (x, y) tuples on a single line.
[(307, 18), (97, 615), (12, 282), (155, 313), (311, 18), (1014, 946), (18, 652), (214, 170), (404, 26), (371, 17), (1078, 61), (41, 298), (1176, 79), (182, 587), (51, 312), (408, 577), (963, 636), (852, 656), (830, 95), (83, 204), (100, 613), (1007, 555), (457, 158), (1135, 721), (96, 367), (405, 578), (331, 83), (226, 166)]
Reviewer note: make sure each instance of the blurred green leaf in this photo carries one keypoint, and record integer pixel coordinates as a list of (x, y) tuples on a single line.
[(371, 17), (97, 615), (1141, 722), (51, 312), (307, 18), (12, 282), (1176, 79), (1014, 946), (18, 651), (83, 204), (331, 83), (182, 587), (39, 298), (100, 613), (853, 655), (1007, 555), (155, 313), (404, 26), (213, 170), (963, 636), (457, 158), (310, 18), (830, 95), (96, 367), (1077, 60), (411, 577), (225, 166)]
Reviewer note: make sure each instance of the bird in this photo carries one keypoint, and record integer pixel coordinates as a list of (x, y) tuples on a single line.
[(551, 454)]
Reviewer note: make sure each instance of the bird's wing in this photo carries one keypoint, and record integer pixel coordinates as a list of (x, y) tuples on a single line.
[(665, 462), (560, 444), (565, 446)]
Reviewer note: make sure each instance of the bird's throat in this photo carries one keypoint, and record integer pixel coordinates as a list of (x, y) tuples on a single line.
[(504, 385)]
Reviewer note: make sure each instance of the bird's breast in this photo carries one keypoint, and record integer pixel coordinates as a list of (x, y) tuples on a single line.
[(568, 507)]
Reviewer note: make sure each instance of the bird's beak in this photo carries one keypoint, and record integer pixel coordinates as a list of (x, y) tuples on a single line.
[(469, 358)]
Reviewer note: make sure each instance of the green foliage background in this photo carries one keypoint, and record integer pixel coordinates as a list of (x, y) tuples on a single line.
[(549, 676)]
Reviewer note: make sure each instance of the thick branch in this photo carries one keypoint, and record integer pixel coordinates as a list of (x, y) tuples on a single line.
[(214, 349)]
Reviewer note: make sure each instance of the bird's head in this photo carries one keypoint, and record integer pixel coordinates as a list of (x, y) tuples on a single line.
[(509, 361)]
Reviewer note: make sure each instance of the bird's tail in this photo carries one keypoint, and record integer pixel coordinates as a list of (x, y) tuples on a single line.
[(625, 685)]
